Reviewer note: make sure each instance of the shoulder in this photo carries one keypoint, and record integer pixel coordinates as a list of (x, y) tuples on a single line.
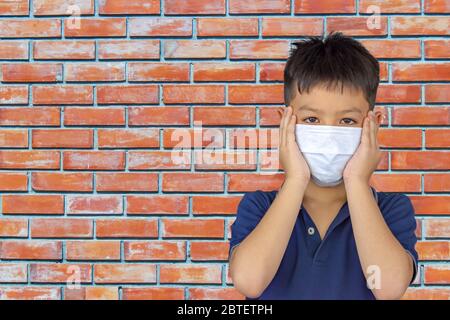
[(257, 200), (395, 205)]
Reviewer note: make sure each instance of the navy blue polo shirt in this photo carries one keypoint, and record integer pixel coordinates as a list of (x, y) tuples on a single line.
[(312, 268)]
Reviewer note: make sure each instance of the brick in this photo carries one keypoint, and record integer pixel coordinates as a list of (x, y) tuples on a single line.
[(30, 116), (13, 138), (94, 72), (437, 138), (127, 228), (209, 250), (225, 160), (427, 294), (436, 182), (197, 7), (224, 72), (33, 204), (13, 228), (437, 49), (94, 204), (30, 293), (404, 71), (63, 94), (160, 116), (14, 50), (205, 205), (158, 71), (13, 95), (397, 182), (225, 116), (60, 273), (390, 6), (62, 138), (129, 7), (128, 94), (179, 138), (258, 49), (436, 6), (128, 138), (156, 204), (61, 228), (261, 6), (13, 273), (245, 182), (61, 181), (74, 116), (249, 94), (96, 27), (358, 26), (431, 205), (92, 293), (155, 250), (125, 273), (437, 228), (398, 93), (64, 50), (420, 160), (427, 116), (31, 72), (437, 93), (387, 49), (30, 28), (192, 228), (128, 49), (191, 274), (160, 27), (400, 138), (198, 49), (92, 250), (94, 160), (126, 182), (198, 182), (297, 27), (433, 250), (14, 8), (271, 71), (323, 7), (156, 293), (193, 94), (420, 25), (215, 294), (62, 7), (163, 160), (31, 250), (220, 27)]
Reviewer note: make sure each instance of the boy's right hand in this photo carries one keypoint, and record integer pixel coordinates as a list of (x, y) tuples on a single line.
[(293, 163)]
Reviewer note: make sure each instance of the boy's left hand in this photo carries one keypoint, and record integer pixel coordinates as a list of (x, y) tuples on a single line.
[(367, 156)]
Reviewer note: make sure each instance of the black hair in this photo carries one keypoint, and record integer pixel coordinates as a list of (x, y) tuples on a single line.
[(335, 60)]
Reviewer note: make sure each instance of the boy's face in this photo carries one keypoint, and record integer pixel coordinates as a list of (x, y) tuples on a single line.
[(333, 108)]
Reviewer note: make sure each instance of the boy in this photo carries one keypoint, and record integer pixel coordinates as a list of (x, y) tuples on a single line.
[(326, 233)]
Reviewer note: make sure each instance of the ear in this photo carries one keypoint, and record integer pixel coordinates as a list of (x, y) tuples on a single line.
[(379, 117)]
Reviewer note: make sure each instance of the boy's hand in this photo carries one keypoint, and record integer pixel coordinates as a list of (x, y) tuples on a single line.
[(366, 158), (291, 159)]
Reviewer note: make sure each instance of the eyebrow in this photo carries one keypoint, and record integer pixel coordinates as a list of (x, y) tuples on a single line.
[(350, 109)]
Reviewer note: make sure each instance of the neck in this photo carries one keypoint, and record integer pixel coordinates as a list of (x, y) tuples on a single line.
[(324, 195)]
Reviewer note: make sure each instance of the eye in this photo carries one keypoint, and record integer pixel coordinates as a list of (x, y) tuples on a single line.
[(346, 121), (309, 119)]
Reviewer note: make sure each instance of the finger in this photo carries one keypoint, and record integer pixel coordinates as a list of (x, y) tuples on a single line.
[(281, 128), (291, 129), (364, 135), (373, 129), (286, 123)]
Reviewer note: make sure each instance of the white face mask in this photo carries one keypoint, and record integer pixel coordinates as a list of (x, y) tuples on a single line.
[(327, 149)]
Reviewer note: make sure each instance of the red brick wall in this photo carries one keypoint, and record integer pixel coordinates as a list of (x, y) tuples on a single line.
[(89, 106)]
